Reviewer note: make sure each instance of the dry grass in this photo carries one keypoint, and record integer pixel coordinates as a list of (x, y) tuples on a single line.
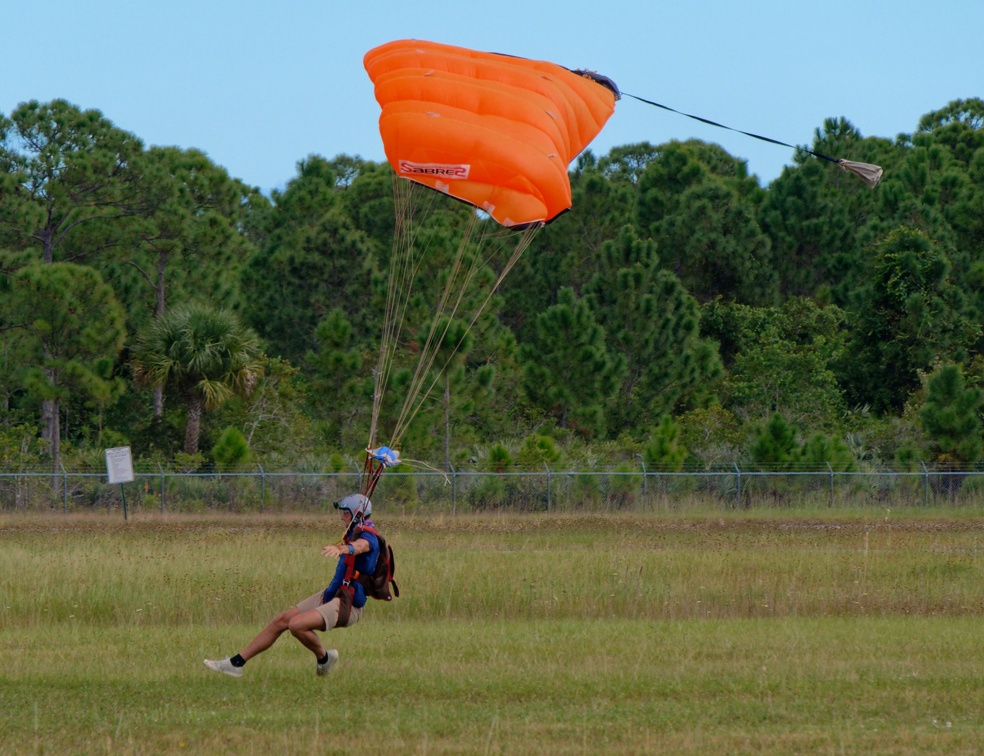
[(514, 634)]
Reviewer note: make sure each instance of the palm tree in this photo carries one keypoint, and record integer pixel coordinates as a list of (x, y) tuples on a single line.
[(206, 354)]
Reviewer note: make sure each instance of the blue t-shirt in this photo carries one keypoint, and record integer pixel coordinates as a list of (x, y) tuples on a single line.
[(365, 564)]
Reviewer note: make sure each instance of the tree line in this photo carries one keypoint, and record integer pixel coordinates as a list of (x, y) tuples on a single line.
[(681, 315)]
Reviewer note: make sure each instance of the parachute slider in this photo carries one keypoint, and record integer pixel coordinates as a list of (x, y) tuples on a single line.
[(377, 460), (388, 457)]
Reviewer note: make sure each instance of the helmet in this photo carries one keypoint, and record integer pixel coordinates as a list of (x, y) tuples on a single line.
[(357, 505)]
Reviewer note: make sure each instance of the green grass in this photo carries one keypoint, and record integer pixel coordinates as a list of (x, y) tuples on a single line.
[(739, 634)]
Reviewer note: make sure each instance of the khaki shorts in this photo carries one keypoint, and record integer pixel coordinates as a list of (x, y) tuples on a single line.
[(329, 611)]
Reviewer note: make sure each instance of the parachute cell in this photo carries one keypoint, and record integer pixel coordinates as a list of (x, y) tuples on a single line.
[(492, 130)]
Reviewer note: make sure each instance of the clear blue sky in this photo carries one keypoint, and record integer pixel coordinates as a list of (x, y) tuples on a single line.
[(259, 85)]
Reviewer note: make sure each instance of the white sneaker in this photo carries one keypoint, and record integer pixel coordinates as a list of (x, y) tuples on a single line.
[(324, 669), (225, 666)]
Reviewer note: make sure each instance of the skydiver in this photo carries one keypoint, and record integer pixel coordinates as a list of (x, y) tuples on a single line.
[(336, 606)]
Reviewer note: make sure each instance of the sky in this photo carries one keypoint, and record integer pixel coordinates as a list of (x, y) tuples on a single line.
[(260, 85)]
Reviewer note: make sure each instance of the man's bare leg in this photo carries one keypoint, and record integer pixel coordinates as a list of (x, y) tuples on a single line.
[(302, 627), (268, 635)]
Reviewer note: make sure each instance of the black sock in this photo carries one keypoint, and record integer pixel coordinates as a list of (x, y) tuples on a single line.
[(324, 659), (237, 661)]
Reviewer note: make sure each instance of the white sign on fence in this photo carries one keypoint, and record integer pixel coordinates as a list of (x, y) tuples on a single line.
[(119, 465)]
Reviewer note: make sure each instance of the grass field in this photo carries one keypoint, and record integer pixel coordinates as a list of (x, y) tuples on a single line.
[(738, 633)]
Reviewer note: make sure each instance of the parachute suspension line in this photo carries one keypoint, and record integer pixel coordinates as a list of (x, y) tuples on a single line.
[(416, 398), (390, 331), (403, 266), (407, 257), (434, 340)]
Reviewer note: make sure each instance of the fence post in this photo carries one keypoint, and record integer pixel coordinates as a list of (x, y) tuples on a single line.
[(262, 486), (738, 504), (926, 479), (831, 504), (162, 486), (642, 463), (454, 490), (64, 487), (547, 468)]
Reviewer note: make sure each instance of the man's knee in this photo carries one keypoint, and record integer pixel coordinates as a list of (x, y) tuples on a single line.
[(302, 623), (282, 621)]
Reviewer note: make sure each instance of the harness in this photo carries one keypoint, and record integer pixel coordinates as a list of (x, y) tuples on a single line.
[(346, 592), (350, 572)]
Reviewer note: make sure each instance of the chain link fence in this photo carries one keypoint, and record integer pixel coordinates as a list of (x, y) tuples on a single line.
[(463, 492)]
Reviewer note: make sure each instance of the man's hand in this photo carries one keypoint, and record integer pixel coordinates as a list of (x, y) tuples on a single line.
[(334, 551)]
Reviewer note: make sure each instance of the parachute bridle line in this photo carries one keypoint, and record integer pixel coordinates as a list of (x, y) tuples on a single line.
[(870, 174)]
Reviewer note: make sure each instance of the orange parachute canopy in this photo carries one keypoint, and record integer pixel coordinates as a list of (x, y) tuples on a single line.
[(492, 130)]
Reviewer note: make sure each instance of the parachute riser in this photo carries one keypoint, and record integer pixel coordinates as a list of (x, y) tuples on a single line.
[(371, 472)]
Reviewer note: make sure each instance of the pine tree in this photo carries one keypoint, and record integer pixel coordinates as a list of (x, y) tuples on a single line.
[(569, 372), (909, 314), (774, 447), (68, 326), (950, 419), (651, 321)]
